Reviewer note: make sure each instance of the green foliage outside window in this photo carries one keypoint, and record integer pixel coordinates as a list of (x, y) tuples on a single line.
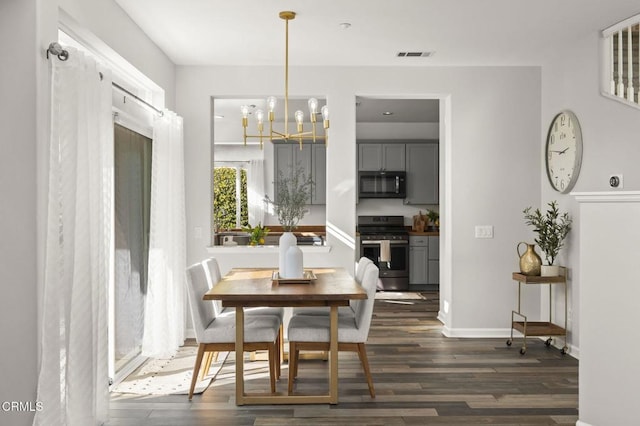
[(225, 199)]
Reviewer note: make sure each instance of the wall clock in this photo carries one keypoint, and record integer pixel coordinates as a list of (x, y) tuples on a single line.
[(564, 151)]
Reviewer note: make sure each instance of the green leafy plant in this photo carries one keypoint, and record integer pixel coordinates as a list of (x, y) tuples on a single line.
[(291, 194), (256, 233), (434, 218), (552, 228), (225, 198)]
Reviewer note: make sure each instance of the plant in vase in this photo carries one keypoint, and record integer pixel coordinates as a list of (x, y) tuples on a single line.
[(256, 233), (434, 220), (552, 229), (292, 192)]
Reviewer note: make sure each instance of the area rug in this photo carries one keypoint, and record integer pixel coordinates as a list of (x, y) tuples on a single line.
[(399, 295), (169, 376)]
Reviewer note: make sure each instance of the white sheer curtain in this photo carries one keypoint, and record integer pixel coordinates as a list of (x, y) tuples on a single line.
[(72, 382), (164, 319), (255, 191)]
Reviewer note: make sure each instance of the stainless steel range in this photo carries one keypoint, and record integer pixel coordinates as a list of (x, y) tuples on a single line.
[(385, 240)]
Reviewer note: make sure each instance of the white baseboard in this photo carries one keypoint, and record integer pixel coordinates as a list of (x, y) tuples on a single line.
[(579, 423), (505, 333)]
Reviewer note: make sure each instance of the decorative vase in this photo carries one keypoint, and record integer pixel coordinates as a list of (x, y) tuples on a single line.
[(550, 270), (287, 239), (530, 262), (293, 266)]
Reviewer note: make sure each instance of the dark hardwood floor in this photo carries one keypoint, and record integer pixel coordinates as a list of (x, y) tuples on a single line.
[(420, 377)]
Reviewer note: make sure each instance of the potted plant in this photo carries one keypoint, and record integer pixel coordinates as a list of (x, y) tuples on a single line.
[(256, 233), (552, 228), (434, 220), (292, 192)]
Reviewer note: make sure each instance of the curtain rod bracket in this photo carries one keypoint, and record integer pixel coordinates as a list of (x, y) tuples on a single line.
[(56, 49)]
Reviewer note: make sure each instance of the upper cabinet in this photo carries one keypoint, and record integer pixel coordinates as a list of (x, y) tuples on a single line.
[(311, 158), (381, 156), (420, 160), (422, 173)]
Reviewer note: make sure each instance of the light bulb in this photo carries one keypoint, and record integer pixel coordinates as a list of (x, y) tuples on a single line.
[(271, 103), (244, 109), (325, 112), (260, 116), (299, 116), (313, 106)]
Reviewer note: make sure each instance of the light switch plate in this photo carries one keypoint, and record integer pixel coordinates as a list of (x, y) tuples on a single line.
[(484, 231)]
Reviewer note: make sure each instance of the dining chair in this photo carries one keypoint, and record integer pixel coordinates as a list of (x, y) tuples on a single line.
[(212, 269), (214, 334), (348, 311), (312, 332)]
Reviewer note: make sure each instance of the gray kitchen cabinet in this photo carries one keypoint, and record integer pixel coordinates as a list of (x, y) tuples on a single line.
[(311, 158), (418, 260), (433, 272), (424, 260), (381, 156), (319, 173), (422, 173)]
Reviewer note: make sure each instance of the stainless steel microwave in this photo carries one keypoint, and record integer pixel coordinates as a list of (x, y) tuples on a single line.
[(382, 184)]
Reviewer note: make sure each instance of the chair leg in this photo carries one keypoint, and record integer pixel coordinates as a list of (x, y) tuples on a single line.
[(272, 366), (292, 364), (207, 365), (279, 350), (196, 368), (362, 353)]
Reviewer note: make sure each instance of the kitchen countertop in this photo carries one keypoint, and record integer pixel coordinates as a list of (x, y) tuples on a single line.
[(424, 234)]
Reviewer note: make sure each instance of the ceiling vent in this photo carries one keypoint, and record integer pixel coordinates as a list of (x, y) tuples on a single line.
[(414, 54)]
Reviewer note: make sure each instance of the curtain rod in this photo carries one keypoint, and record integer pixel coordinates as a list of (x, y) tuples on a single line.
[(63, 55)]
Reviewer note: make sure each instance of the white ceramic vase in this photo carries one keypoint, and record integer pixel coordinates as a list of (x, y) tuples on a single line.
[(550, 270), (293, 266), (287, 239)]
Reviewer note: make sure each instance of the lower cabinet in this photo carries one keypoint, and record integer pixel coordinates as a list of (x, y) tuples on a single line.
[(424, 261)]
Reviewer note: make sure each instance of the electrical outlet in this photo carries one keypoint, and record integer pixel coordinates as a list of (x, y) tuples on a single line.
[(616, 181), (484, 231)]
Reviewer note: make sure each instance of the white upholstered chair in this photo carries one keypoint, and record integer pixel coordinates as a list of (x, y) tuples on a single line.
[(215, 334), (348, 311), (212, 269), (311, 332)]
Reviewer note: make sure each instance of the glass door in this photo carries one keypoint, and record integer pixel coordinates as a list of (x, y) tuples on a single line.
[(132, 171)]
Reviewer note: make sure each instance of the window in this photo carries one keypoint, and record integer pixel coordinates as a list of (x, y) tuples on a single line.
[(230, 211)]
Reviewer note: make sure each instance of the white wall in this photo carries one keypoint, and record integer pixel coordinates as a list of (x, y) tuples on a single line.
[(609, 369), (494, 164), (610, 131), (18, 121)]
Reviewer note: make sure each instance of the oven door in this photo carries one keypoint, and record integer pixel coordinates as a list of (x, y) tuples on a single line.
[(398, 265)]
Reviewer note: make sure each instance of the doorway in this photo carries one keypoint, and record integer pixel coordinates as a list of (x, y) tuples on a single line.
[(132, 193)]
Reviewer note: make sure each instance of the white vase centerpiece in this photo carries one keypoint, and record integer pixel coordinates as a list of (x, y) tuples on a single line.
[(292, 192)]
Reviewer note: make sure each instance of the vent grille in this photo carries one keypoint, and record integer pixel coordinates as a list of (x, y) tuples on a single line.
[(414, 54)]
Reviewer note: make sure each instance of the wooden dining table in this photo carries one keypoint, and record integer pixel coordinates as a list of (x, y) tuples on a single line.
[(253, 287)]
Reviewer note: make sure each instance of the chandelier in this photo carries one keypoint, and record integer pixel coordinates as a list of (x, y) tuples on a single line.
[(300, 134)]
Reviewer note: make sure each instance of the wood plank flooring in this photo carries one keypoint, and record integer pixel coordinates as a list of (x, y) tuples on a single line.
[(421, 378)]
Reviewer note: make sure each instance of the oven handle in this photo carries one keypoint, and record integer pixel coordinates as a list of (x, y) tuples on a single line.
[(378, 242)]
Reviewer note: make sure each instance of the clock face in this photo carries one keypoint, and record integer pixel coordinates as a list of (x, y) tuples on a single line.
[(564, 151)]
